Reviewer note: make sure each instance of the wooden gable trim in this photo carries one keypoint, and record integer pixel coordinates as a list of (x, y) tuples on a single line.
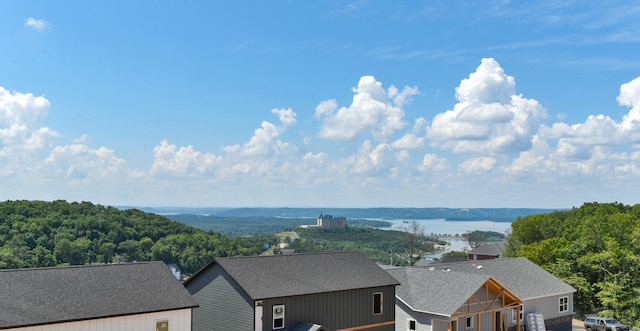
[(507, 299)]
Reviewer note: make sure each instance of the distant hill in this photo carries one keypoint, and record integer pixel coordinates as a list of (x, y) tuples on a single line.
[(450, 214)]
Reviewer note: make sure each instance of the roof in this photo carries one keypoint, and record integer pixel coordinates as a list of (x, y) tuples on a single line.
[(63, 294), (494, 249), (521, 276), (443, 259), (419, 286), (273, 276)]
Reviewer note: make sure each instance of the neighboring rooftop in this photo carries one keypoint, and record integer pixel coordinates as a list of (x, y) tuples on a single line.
[(63, 294), (273, 276), (492, 249), (523, 277)]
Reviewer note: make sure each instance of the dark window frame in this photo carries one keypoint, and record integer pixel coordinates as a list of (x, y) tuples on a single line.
[(378, 303)]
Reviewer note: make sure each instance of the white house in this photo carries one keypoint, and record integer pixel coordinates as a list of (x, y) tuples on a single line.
[(123, 297)]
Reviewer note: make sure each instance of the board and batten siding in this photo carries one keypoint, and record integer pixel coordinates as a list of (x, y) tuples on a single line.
[(223, 305), (179, 320), (335, 310)]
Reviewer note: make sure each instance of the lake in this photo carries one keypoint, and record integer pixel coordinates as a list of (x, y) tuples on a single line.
[(442, 227)]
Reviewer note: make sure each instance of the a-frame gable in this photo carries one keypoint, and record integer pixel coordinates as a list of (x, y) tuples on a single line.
[(491, 296)]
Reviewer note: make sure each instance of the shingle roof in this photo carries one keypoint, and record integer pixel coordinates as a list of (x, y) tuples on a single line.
[(494, 249), (275, 276), (434, 291), (61, 294), (521, 276)]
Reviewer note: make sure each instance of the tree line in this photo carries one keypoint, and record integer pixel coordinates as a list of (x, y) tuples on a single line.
[(594, 248), (45, 234)]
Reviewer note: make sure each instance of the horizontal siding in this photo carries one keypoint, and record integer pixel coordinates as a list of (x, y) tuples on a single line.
[(179, 320), (404, 314)]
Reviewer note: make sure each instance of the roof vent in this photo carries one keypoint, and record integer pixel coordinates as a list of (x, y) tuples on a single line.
[(478, 267)]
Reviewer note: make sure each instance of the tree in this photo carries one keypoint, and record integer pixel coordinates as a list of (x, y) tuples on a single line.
[(414, 238), (475, 239)]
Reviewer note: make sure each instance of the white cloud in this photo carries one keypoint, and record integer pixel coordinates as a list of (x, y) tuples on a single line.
[(477, 165), (80, 163), (184, 161), (577, 141), (22, 130), (489, 117), (36, 24), (432, 162), (630, 96), (373, 111)]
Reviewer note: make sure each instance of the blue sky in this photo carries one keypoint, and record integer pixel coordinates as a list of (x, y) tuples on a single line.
[(321, 103)]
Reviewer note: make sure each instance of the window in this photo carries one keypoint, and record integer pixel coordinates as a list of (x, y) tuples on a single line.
[(469, 322), (377, 303), (564, 304), (278, 317), (514, 314), (162, 325), (411, 325)]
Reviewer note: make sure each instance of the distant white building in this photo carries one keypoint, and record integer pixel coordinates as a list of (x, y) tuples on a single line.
[(327, 221)]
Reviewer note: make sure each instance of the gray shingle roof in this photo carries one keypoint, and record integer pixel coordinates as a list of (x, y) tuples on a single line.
[(434, 291), (51, 295), (521, 276), (494, 249), (275, 276)]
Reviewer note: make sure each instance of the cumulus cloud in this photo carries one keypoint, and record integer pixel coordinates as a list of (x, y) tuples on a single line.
[(630, 96), (171, 160), (258, 156), (80, 163), (477, 165), (36, 24), (576, 141), (595, 148), (489, 117), (22, 130), (373, 111)]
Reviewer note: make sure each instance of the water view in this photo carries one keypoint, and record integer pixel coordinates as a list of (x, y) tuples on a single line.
[(450, 231)]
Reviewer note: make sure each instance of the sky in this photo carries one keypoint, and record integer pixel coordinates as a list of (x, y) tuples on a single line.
[(458, 104)]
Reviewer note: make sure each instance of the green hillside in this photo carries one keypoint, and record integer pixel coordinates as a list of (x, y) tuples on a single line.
[(594, 248), (43, 234)]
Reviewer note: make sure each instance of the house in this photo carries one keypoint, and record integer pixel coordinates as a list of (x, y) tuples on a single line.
[(319, 291), (538, 290), (486, 251), (430, 299), (124, 297)]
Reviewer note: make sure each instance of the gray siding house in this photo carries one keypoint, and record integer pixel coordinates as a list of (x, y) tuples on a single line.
[(320, 291), (124, 297), (531, 288), (432, 299)]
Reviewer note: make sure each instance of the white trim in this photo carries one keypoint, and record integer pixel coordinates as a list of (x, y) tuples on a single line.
[(277, 314)]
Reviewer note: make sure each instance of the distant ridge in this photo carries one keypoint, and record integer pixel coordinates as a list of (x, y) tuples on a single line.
[(450, 214)]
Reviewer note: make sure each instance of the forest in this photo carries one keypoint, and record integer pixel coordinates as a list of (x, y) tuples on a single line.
[(383, 246), (594, 248), (43, 234)]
